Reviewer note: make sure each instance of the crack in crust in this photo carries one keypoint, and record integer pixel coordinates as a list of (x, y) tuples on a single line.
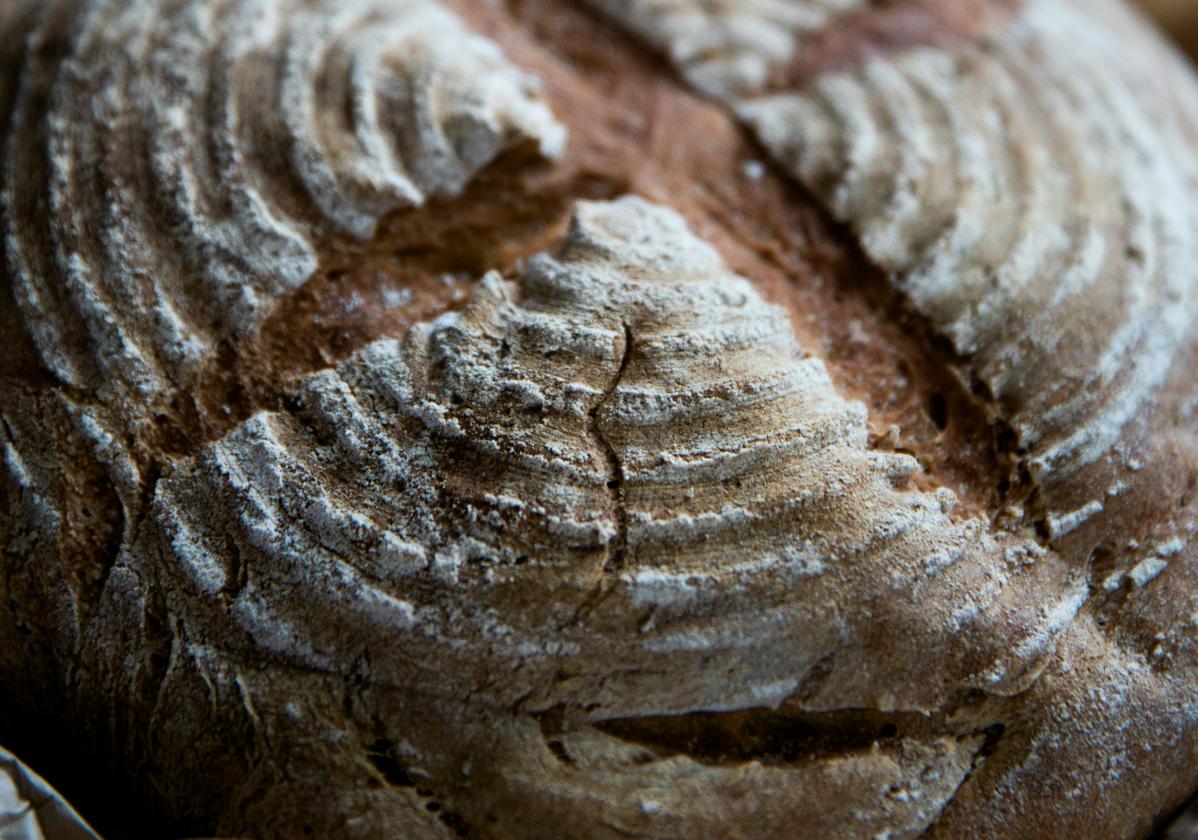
[(424, 493), (615, 469), (767, 228)]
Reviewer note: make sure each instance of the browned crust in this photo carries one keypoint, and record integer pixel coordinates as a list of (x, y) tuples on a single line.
[(888, 26), (635, 129)]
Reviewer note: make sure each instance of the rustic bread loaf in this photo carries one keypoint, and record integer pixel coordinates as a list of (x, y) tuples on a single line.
[(424, 418)]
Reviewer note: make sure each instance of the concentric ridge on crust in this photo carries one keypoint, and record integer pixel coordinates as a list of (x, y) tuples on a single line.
[(454, 489), (171, 167), (1026, 183), (1028, 188), (446, 503), (604, 545), (730, 47)]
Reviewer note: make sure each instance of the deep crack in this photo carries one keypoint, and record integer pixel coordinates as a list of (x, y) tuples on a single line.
[(991, 735), (774, 738), (618, 545)]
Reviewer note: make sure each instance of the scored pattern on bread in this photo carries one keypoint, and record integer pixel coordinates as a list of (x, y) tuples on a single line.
[(587, 494), (172, 166), (729, 47), (604, 548), (1013, 208), (1030, 191), (622, 468)]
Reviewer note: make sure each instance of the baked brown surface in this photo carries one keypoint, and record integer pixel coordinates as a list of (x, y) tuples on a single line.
[(431, 419)]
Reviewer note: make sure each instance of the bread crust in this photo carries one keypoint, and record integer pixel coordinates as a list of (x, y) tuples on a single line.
[(375, 469)]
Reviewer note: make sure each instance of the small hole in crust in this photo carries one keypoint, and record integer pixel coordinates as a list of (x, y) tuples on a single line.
[(559, 750), (938, 411), (454, 823), (380, 755)]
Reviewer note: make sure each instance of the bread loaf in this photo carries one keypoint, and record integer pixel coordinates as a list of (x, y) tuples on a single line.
[(703, 419)]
